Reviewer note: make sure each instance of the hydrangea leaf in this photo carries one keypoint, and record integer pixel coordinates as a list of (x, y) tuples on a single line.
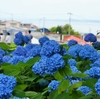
[(63, 86)]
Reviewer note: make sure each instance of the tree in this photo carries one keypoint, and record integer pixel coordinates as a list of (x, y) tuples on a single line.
[(59, 29), (53, 29)]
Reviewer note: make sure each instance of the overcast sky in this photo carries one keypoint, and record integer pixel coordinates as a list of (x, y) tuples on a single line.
[(85, 13)]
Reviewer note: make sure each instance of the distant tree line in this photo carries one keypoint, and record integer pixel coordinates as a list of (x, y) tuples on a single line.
[(64, 30)]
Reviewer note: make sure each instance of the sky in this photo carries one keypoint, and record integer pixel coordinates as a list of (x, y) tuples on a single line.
[(85, 14)]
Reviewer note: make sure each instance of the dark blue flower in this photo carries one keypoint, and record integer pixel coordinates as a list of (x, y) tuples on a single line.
[(19, 35), (43, 40), (90, 38), (72, 42), (96, 45), (17, 98), (26, 39), (18, 41)]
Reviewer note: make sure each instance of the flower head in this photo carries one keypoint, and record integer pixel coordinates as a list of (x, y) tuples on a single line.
[(90, 38), (72, 42)]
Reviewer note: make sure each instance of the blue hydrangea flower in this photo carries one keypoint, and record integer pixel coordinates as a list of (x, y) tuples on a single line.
[(74, 69), (84, 89), (74, 81), (20, 51), (93, 72), (26, 39), (74, 50), (97, 87), (88, 52), (49, 48), (41, 66), (48, 65), (72, 42), (43, 40), (2, 52), (19, 35), (63, 51), (35, 51), (90, 38), (16, 59), (53, 85), (96, 45), (72, 62), (17, 98), (96, 63), (29, 46), (54, 63), (6, 58), (7, 84), (18, 41)]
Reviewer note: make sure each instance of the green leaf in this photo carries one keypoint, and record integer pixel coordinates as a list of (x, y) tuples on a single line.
[(11, 70), (63, 86), (90, 83), (38, 96), (63, 96), (81, 75), (87, 97), (30, 93), (21, 87), (4, 46), (19, 93), (65, 71), (58, 76), (74, 86), (53, 94)]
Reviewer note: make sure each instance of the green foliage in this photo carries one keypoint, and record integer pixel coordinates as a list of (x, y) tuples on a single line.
[(59, 29), (53, 29)]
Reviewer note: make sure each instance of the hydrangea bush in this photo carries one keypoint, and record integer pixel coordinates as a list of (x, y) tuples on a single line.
[(49, 70)]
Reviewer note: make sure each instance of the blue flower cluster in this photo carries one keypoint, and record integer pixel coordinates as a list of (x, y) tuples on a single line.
[(29, 46), (20, 51), (6, 58), (7, 84), (16, 59), (88, 52), (49, 48), (90, 38), (2, 53), (96, 63), (26, 39), (74, 50), (84, 89), (53, 85), (72, 42), (17, 98), (96, 45), (35, 51), (18, 40), (74, 81), (48, 65), (93, 72), (72, 62), (42, 40), (97, 87)]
